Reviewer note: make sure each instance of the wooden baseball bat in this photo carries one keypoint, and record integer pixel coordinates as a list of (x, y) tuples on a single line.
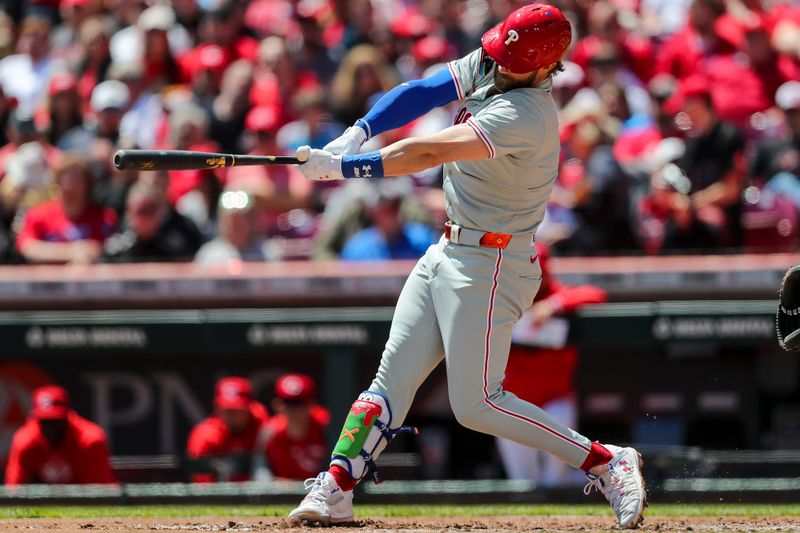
[(188, 160)]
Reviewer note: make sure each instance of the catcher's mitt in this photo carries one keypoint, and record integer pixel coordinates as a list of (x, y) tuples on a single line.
[(787, 321)]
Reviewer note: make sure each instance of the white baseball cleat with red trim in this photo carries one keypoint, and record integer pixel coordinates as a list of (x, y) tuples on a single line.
[(325, 502), (622, 485)]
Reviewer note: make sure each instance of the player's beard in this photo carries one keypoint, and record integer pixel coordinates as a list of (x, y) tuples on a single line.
[(504, 83)]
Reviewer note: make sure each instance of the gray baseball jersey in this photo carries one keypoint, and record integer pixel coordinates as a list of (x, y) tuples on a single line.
[(508, 192)]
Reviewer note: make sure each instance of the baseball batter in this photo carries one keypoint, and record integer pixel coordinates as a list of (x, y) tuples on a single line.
[(460, 302)]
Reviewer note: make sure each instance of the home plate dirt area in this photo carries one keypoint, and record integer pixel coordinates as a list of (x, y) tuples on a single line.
[(416, 524)]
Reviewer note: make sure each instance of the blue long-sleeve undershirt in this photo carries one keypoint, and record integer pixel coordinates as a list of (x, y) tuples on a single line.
[(409, 101)]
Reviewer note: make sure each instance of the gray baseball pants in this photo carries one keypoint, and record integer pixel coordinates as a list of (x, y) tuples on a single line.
[(460, 303)]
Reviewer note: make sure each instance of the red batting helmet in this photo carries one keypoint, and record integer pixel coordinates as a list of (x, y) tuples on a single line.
[(530, 38)]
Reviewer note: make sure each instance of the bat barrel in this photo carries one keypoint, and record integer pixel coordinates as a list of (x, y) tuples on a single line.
[(170, 160)]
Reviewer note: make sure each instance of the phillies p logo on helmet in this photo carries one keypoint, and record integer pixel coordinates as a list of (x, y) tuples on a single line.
[(513, 37)]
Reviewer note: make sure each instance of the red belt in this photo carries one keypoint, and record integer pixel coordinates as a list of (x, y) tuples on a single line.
[(487, 240)]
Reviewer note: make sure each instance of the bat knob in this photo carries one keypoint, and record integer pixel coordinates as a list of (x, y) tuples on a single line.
[(303, 153), (119, 159)]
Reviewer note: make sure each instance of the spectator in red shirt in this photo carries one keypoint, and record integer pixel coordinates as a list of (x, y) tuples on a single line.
[(221, 29), (743, 84), (57, 446), (635, 52), (294, 437), (228, 436), (543, 375), (701, 38), (72, 228)]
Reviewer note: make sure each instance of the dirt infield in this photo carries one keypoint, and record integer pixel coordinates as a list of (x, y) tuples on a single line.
[(407, 525)]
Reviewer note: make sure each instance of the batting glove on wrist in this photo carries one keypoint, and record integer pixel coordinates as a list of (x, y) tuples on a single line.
[(348, 143), (321, 165)]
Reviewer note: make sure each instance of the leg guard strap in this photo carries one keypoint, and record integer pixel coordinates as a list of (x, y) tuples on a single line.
[(367, 431)]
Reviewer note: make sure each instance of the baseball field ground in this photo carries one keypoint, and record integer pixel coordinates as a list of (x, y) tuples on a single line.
[(408, 518)]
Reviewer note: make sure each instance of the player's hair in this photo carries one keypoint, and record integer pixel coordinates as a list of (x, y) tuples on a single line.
[(558, 68)]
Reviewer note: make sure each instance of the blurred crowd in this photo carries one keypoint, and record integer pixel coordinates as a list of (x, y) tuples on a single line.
[(680, 126), (241, 440)]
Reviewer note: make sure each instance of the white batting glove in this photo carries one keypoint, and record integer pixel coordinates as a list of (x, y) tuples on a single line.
[(348, 143), (321, 165)]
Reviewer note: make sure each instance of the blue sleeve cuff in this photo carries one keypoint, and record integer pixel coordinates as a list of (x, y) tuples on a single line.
[(364, 125), (368, 165)]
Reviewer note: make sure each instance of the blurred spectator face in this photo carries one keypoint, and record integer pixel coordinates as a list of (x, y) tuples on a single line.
[(7, 35), (206, 83), (585, 138), (109, 101), (360, 15), (188, 126), (108, 121), (297, 412), (75, 184), (567, 83), (218, 28), (21, 128), (613, 97), (97, 48), (186, 10), (158, 180), (156, 44), (53, 430), (386, 217), (704, 13), (310, 31), (33, 37), (275, 57), (700, 112), (236, 218), (237, 228), (145, 212), (74, 12), (64, 104), (367, 81), (758, 48), (604, 65), (236, 420), (433, 199), (294, 399), (128, 11), (602, 19), (237, 80), (51, 409), (232, 400), (314, 116)]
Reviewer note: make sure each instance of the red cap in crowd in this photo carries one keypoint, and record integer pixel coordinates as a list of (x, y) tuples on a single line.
[(62, 82), (295, 388), (50, 402), (411, 23), (694, 85), (634, 144), (262, 118), (233, 393), (430, 48), (206, 58), (74, 3)]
